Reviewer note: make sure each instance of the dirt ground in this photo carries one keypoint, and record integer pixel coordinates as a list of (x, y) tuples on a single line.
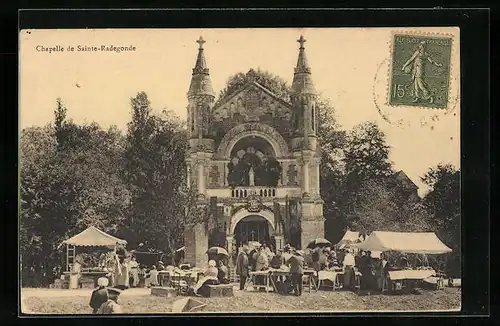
[(139, 301)]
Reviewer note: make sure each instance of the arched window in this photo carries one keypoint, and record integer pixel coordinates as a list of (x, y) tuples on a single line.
[(312, 118), (192, 121)]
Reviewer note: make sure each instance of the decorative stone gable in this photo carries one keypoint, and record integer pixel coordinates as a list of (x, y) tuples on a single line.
[(253, 103)]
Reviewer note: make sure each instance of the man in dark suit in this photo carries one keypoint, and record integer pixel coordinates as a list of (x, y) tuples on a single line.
[(296, 264), (242, 266)]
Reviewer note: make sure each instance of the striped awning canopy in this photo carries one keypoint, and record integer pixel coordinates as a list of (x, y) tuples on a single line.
[(92, 236)]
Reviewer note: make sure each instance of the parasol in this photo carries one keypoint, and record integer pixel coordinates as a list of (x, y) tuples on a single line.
[(254, 244), (217, 251), (319, 242)]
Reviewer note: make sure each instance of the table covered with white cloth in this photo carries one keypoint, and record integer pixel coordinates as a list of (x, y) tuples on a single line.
[(333, 276), (411, 274)]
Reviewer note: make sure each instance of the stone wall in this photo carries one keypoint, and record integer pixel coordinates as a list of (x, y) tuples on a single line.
[(312, 229), (196, 243)]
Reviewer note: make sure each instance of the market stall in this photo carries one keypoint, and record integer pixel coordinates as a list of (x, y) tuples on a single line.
[(425, 243), (97, 250), (348, 238)]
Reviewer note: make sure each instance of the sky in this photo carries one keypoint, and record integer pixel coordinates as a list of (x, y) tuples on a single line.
[(350, 67)]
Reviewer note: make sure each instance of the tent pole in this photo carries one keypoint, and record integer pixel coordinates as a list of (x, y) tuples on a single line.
[(67, 258)]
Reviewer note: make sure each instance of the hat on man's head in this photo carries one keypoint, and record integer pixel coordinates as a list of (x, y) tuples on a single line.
[(114, 291)]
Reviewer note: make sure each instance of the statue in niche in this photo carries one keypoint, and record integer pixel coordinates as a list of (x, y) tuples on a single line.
[(251, 177), (292, 175), (254, 169), (232, 109), (240, 108), (223, 112)]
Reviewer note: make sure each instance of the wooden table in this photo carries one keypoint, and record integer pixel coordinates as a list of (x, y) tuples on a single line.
[(177, 276), (269, 282), (334, 277), (409, 274), (311, 273), (271, 274), (94, 275)]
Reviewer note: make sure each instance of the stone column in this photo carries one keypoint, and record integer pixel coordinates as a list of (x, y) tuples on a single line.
[(306, 180), (229, 240), (201, 177), (312, 228), (226, 173), (196, 243)]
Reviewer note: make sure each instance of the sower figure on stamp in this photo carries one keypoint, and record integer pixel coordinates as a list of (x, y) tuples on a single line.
[(419, 60)]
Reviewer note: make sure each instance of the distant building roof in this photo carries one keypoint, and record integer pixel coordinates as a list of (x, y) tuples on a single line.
[(403, 178)]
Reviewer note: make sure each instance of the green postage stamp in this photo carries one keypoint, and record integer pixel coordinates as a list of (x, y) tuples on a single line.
[(420, 71)]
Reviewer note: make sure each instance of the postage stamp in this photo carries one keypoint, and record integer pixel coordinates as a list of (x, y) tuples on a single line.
[(420, 71)]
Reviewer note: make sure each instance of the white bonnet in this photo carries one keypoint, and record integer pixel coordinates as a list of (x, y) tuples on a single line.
[(102, 281)]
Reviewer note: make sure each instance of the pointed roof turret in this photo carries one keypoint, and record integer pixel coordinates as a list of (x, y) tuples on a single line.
[(302, 81), (200, 82)]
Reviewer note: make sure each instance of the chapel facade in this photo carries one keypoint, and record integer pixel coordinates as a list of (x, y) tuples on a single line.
[(253, 160)]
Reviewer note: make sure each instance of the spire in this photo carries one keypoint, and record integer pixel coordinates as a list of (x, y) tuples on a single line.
[(302, 81), (200, 82), (302, 65)]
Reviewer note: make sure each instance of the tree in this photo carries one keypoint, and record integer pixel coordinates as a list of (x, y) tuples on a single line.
[(155, 174), (351, 161), (378, 205), (270, 81), (443, 202), (69, 181), (366, 154)]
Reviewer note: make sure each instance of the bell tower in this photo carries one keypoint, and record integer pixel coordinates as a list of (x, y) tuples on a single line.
[(201, 98), (304, 143)]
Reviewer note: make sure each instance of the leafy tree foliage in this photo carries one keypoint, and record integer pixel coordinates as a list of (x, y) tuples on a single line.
[(366, 154), (68, 182), (382, 206), (155, 174), (270, 81), (443, 203)]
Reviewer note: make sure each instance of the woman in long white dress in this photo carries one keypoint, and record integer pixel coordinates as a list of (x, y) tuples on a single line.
[(209, 278)]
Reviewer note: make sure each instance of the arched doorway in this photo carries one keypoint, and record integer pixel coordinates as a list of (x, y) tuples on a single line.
[(253, 228)]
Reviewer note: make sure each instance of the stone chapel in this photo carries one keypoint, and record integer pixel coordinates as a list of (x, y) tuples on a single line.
[(254, 161)]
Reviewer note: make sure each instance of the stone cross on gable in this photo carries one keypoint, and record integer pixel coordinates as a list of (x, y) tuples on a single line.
[(201, 41), (292, 174), (301, 40)]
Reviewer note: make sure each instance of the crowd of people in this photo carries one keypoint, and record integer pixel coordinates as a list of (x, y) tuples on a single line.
[(373, 272), (262, 258), (128, 273)]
